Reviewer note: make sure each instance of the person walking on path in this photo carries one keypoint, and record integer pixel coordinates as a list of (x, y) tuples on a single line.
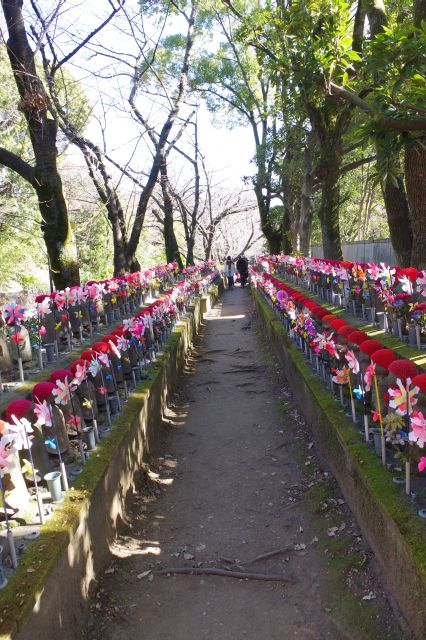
[(242, 268), (229, 271)]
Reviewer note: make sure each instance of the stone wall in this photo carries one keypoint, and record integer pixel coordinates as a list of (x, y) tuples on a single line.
[(363, 251)]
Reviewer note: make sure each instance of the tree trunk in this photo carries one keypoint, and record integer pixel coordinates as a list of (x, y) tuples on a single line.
[(272, 236), (395, 198), (399, 221), (330, 202), (415, 175), (330, 123), (286, 244), (415, 178), (170, 242), (42, 128), (306, 211)]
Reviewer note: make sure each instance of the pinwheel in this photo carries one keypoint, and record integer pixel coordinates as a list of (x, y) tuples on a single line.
[(422, 464), (60, 300), (62, 392), (122, 343), (7, 455), (352, 362), (44, 307), (13, 314), (342, 376), (421, 284), (403, 398), (42, 411), (369, 375), (70, 296), (418, 429), (94, 367), (21, 431)]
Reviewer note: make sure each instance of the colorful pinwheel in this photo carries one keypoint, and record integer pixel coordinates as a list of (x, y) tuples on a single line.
[(13, 313), (403, 398)]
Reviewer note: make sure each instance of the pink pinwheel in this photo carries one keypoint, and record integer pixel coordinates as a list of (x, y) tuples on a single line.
[(138, 329), (403, 398), (94, 367), (62, 392), (330, 347), (122, 343), (44, 307), (406, 284), (17, 338), (373, 271), (13, 313), (101, 390), (103, 359), (42, 411), (368, 376), (418, 426), (42, 330), (7, 455), (128, 324), (375, 415), (80, 295), (70, 296), (60, 300), (79, 375), (74, 421), (422, 464), (421, 284), (352, 362), (114, 349), (21, 431), (92, 291), (342, 376)]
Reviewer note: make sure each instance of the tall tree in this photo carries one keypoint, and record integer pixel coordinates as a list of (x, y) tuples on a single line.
[(43, 175)]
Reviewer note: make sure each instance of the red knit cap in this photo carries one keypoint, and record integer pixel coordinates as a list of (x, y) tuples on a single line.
[(88, 354), (18, 408), (384, 357), (100, 347), (346, 330), (60, 374), (357, 337), (338, 323), (42, 390), (370, 346), (403, 369), (420, 381), (80, 361)]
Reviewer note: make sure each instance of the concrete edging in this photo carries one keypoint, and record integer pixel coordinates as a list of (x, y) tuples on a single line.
[(48, 594), (395, 533)]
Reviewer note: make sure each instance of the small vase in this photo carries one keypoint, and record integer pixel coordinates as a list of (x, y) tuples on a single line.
[(110, 317), (114, 405), (50, 352), (412, 338), (89, 438), (53, 480), (377, 438), (3, 579)]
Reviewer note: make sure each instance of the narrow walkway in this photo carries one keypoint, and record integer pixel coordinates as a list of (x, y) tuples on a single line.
[(238, 477)]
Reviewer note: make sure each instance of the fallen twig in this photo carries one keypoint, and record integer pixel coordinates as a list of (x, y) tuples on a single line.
[(271, 554), (240, 575)]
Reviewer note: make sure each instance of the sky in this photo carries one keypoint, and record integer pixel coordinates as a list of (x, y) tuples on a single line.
[(227, 152)]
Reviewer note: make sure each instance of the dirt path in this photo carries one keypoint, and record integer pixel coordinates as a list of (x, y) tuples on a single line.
[(238, 477)]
